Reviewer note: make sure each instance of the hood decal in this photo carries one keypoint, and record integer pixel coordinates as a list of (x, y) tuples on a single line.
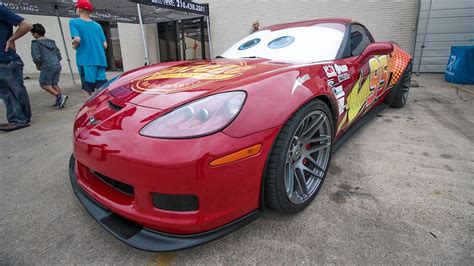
[(182, 78)]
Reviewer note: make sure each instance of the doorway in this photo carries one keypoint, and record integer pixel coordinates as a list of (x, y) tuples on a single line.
[(183, 40), (113, 53)]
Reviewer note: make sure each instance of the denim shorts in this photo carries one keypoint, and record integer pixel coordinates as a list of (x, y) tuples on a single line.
[(49, 76)]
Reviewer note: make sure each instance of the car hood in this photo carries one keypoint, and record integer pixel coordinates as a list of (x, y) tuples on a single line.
[(165, 85)]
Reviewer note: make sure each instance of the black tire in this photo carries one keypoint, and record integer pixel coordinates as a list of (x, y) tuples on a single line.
[(403, 88), (276, 197)]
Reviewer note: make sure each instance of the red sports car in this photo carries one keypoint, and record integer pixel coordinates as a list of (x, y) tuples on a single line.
[(177, 154)]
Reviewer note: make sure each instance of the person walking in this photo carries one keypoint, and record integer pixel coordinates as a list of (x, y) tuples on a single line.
[(90, 44), (12, 89), (47, 58)]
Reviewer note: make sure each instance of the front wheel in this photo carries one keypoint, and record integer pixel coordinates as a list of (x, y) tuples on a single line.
[(299, 159)]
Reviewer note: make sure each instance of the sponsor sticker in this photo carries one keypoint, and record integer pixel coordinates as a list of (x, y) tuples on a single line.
[(340, 68), (339, 92), (343, 77), (330, 71), (331, 83), (342, 105)]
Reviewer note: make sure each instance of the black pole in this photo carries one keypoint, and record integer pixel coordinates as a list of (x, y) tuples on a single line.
[(183, 39), (178, 42), (64, 43), (203, 39)]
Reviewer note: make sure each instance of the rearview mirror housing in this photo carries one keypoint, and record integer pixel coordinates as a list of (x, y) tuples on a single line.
[(377, 48)]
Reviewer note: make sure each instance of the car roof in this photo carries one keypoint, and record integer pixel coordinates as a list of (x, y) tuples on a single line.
[(307, 23)]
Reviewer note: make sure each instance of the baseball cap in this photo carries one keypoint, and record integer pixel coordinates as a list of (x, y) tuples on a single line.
[(84, 4)]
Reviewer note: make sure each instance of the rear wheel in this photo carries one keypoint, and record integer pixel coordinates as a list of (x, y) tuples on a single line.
[(299, 159), (402, 92)]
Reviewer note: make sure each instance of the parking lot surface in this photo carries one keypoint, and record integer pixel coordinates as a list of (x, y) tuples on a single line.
[(400, 190)]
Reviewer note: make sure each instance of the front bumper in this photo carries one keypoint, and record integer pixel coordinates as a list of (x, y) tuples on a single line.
[(143, 238)]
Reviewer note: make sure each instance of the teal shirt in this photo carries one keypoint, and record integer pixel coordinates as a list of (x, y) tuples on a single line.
[(90, 51)]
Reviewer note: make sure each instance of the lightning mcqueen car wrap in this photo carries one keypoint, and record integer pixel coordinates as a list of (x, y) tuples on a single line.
[(177, 154)]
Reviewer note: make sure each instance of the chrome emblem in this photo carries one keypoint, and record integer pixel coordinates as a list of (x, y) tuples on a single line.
[(93, 121)]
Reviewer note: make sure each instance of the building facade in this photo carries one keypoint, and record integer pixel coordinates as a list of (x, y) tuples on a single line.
[(231, 20)]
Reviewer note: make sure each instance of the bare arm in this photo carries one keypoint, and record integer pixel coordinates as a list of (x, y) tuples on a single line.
[(105, 45), (76, 41), (24, 27)]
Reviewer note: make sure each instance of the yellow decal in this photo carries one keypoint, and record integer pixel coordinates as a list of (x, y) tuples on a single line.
[(357, 98), (183, 78)]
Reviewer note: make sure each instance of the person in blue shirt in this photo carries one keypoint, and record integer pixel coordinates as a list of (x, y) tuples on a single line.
[(90, 44), (12, 90)]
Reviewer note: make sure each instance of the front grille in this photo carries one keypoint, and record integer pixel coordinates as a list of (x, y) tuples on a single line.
[(122, 187)]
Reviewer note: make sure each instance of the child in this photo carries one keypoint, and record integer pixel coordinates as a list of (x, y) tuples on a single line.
[(90, 44), (47, 58)]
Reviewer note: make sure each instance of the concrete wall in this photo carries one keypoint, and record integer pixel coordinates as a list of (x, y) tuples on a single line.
[(231, 20), (133, 53)]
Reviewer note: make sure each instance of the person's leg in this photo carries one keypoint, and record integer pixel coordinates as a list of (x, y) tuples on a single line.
[(9, 101), (9, 88), (49, 89), (90, 74), (55, 80), (45, 81), (85, 87), (62, 99), (101, 78), (18, 88)]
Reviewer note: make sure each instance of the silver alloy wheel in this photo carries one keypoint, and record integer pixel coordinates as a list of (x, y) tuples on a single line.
[(307, 157)]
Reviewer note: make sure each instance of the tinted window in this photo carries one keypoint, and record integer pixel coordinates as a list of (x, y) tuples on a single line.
[(359, 40)]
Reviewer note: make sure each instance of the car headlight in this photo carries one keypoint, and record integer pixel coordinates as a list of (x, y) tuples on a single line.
[(103, 87), (199, 118)]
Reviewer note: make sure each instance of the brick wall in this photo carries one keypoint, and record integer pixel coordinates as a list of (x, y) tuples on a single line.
[(387, 20)]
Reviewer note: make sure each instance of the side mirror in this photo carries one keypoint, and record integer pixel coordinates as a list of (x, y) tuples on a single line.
[(377, 48)]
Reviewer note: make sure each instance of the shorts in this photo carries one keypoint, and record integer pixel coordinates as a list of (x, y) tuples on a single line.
[(49, 76), (92, 77)]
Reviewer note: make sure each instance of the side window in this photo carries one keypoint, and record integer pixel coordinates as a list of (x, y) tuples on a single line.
[(359, 40)]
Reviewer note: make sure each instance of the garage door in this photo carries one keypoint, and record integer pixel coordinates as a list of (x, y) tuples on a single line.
[(450, 23)]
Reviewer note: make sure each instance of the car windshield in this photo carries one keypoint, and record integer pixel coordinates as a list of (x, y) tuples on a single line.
[(306, 44)]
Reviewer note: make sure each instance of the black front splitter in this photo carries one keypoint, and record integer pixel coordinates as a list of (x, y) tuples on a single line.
[(139, 237)]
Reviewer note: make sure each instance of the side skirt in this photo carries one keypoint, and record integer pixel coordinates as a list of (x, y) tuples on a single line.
[(366, 118)]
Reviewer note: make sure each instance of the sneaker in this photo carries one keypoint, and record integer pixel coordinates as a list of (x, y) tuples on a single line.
[(62, 102), (58, 100)]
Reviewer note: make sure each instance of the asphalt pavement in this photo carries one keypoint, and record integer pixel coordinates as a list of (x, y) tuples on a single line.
[(401, 190)]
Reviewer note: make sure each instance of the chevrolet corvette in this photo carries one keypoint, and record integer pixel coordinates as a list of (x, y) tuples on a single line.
[(177, 154)]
